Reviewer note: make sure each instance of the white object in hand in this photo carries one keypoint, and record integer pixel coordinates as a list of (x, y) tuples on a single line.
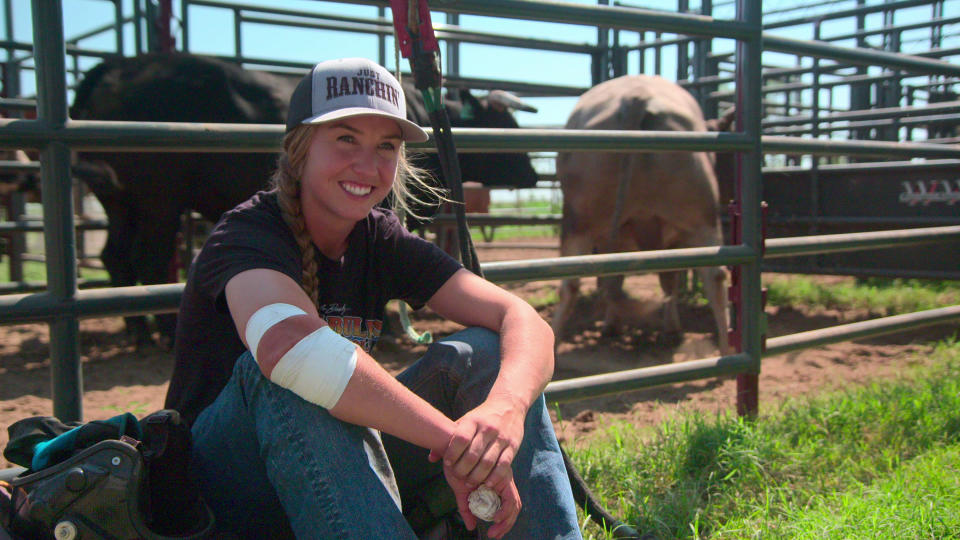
[(484, 503)]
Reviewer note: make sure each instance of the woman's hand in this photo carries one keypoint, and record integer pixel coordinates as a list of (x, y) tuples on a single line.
[(485, 441), (510, 503)]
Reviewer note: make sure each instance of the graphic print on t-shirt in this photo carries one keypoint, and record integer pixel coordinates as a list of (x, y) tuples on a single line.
[(363, 332)]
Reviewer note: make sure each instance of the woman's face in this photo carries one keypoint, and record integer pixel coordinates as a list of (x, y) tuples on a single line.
[(351, 165)]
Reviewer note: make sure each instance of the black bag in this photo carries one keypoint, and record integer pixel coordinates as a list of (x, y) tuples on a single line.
[(115, 488)]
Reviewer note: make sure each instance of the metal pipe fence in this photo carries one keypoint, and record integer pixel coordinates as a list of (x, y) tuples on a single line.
[(54, 134)]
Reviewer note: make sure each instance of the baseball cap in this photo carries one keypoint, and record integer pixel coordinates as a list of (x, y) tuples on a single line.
[(348, 87)]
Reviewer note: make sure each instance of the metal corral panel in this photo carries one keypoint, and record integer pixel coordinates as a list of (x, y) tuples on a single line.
[(862, 197)]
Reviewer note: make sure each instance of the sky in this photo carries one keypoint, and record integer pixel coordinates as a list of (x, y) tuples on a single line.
[(211, 32)]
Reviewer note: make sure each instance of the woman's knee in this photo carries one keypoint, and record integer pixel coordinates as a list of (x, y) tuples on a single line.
[(481, 341), (472, 349)]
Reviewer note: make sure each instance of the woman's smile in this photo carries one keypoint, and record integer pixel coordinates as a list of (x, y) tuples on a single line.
[(359, 190)]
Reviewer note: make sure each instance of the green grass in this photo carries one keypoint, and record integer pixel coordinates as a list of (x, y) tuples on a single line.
[(879, 461), (511, 232), (544, 299), (885, 296), (528, 206), (137, 408), (918, 500), (37, 271)]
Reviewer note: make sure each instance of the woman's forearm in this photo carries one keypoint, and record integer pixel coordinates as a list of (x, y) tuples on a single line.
[(376, 399), (526, 342)]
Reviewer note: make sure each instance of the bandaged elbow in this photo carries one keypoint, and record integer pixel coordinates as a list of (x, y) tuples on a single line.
[(317, 368)]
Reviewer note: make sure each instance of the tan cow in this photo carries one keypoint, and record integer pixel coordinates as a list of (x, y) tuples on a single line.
[(670, 199)]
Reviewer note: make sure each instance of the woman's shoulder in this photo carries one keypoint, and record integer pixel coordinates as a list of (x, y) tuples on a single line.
[(262, 202), (259, 211), (257, 218), (254, 230)]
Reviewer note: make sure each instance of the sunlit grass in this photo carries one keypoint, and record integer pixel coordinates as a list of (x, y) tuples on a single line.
[(544, 299), (863, 463), (884, 296), (34, 271), (528, 207), (513, 232)]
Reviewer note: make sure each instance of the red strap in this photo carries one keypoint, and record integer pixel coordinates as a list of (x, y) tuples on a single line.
[(423, 27)]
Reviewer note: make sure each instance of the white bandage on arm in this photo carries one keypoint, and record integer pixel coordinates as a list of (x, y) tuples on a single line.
[(318, 367), (263, 319)]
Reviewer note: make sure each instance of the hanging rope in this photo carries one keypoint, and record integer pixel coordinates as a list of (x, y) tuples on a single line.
[(414, 31), (418, 43)]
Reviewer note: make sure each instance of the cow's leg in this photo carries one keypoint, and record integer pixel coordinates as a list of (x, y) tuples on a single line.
[(569, 290), (118, 259), (570, 244), (670, 283), (154, 254), (714, 281), (618, 305), (613, 297)]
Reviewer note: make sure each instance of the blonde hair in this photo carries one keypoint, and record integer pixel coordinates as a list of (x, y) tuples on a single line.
[(287, 180)]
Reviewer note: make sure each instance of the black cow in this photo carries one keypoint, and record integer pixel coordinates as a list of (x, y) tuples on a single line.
[(144, 194)]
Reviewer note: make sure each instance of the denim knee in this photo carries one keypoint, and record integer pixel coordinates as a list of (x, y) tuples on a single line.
[(457, 372), (266, 453)]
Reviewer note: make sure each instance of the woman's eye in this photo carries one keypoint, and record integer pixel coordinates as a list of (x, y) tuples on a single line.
[(346, 138), (389, 146)]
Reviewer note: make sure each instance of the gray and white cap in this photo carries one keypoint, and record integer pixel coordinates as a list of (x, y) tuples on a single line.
[(348, 87)]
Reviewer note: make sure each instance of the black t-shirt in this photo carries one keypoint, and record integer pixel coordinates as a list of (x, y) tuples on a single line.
[(383, 261)]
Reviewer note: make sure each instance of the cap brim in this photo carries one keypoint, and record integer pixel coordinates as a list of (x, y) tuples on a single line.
[(410, 131)]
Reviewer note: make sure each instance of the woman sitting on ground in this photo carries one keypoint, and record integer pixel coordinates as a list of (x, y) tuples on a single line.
[(281, 311)]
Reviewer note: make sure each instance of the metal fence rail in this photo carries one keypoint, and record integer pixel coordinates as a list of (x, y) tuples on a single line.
[(17, 309), (185, 137), (634, 379)]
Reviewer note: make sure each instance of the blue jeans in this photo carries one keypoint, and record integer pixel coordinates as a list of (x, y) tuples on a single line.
[(272, 465)]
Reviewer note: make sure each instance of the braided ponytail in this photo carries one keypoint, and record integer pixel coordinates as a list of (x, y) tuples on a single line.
[(287, 180)]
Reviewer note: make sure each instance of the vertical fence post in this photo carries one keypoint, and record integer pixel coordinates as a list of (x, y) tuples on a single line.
[(601, 59), (705, 67), (750, 308), (16, 210), (16, 206), (138, 18), (237, 32), (453, 47), (58, 225), (184, 25), (118, 26), (683, 50), (164, 22)]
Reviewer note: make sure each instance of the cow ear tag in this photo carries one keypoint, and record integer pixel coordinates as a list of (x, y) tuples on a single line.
[(467, 112)]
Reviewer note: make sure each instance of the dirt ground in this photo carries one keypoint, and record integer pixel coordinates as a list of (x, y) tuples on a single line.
[(119, 378)]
